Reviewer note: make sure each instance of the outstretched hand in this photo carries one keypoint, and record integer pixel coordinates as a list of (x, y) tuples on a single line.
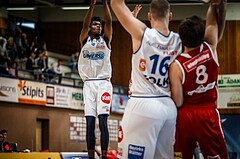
[(136, 10)]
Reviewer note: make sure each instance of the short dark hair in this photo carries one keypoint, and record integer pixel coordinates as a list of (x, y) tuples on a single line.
[(159, 8), (96, 18), (191, 31), (3, 131)]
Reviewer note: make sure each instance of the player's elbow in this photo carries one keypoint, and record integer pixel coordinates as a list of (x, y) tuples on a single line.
[(179, 103)]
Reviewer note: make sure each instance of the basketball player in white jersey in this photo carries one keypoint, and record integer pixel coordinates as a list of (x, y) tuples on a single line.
[(148, 125), (95, 69)]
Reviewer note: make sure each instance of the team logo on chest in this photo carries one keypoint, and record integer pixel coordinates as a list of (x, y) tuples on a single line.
[(197, 60), (93, 55)]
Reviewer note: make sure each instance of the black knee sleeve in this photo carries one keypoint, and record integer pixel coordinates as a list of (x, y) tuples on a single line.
[(90, 136), (104, 131)]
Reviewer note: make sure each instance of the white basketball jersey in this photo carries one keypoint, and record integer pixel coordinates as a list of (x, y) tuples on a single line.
[(94, 60), (151, 62)]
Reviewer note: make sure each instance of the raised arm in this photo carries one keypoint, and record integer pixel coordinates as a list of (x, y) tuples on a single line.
[(86, 22), (131, 24), (221, 18), (215, 22), (108, 22)]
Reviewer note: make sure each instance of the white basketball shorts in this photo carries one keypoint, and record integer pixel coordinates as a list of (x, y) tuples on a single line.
[(97, 96)]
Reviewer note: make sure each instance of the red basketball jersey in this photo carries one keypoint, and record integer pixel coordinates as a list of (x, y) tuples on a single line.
[(200, 72)]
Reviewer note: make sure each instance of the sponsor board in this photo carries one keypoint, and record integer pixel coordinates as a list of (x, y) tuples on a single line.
[(64, 97), (31, 92), (119, 103), (78, 128), (231, 130), (228, 91), (8, 90), (60, 96), (77, 98)]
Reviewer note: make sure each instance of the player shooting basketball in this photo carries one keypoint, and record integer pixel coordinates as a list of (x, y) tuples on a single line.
[(95, 69)]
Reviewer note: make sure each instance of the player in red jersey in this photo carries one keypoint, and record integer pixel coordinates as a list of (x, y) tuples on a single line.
[(193, 77)]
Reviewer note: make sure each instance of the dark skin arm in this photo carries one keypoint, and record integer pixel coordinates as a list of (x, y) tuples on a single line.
[(108, 23), (215, 22), (86, 22)]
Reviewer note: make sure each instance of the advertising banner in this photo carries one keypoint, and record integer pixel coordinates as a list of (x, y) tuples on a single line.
[(119, 103), (8, 90), (30, 92), (74, 155), (78, 128), (228, 91), (58, 96), (77, 98), (64, 97), (231, 130), (37, 93)]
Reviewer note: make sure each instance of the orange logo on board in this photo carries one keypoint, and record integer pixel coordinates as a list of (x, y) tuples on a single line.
[(142, 65), (21, 84)]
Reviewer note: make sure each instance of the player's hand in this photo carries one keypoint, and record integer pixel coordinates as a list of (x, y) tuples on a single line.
[(136, 10), (93, 2)]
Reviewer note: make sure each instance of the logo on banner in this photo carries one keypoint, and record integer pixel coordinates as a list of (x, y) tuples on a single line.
[(106, 98), (135, 151), (77, 96), (21, 84), (50, 95), (6, 89), (30, 91), (2, 94)]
